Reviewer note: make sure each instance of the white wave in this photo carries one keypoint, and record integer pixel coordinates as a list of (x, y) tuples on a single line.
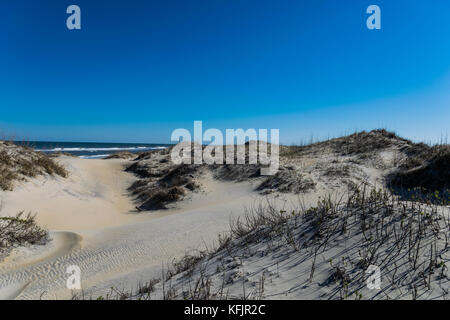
[(99, 149), (97, 156)]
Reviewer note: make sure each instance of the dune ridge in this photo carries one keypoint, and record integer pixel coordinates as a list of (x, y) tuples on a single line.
[(129, 219)]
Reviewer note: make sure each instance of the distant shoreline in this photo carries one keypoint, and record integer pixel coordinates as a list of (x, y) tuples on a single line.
[(90, 150)]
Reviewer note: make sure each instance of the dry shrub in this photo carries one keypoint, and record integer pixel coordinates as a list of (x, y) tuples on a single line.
[(18, 231), (160, 199), (287, 181), (6, 179), (358, 143), (121, 155), (406, 240), (17, 162), (425, 176)]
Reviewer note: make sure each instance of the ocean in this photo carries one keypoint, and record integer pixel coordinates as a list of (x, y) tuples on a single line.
[(90, 150)]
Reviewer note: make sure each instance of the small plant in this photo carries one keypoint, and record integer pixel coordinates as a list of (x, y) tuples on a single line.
[(20, 230), (19, 163)]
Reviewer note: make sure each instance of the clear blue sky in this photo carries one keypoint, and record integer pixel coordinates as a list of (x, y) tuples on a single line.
[(139, 69)]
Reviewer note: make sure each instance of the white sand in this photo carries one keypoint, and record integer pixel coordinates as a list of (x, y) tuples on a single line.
[(94, 225)]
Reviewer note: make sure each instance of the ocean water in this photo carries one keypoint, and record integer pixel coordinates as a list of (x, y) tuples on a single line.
[(90, 150)]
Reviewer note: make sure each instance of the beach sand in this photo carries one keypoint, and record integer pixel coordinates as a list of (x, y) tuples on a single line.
[(97, 222), (93, 224)]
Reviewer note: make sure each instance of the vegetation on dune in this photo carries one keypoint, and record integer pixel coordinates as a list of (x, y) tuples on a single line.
[(20, 230), (355, 144), (415, 166), (287, 181), (121, 155), (161, 197), (424, 176), (19, 163), (331, 245), (159, 186)]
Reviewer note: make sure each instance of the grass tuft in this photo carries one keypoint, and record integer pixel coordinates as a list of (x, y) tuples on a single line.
[(20, 230), (19, 163)]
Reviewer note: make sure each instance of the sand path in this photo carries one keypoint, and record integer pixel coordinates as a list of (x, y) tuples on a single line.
[(93, 225)]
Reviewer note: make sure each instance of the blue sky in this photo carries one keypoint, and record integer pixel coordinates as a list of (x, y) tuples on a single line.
[(139, 69)]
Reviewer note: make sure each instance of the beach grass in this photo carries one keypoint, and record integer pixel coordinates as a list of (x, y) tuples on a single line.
[(19, 163), (20, 230)]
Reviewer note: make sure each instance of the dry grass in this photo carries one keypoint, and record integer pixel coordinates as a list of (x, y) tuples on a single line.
[(121, 155), (161, 185), (425, 176), (358, 143), (408, 241), (390, 234), (161, 197), (286, 180), (19, 163), (419, 166), (19, 230)]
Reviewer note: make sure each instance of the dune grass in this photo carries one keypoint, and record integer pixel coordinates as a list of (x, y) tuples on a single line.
[(19, 163), (20, 230), (424, 176), (330, 245)]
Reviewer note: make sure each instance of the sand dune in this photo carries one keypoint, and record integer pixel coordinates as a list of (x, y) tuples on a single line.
[(100, 224), (93, 196), (103, 234)]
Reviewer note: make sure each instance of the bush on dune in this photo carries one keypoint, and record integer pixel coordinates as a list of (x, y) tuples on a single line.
[(160, 198), (19, 163), (330, 246), (425, 176), (20, 230)]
